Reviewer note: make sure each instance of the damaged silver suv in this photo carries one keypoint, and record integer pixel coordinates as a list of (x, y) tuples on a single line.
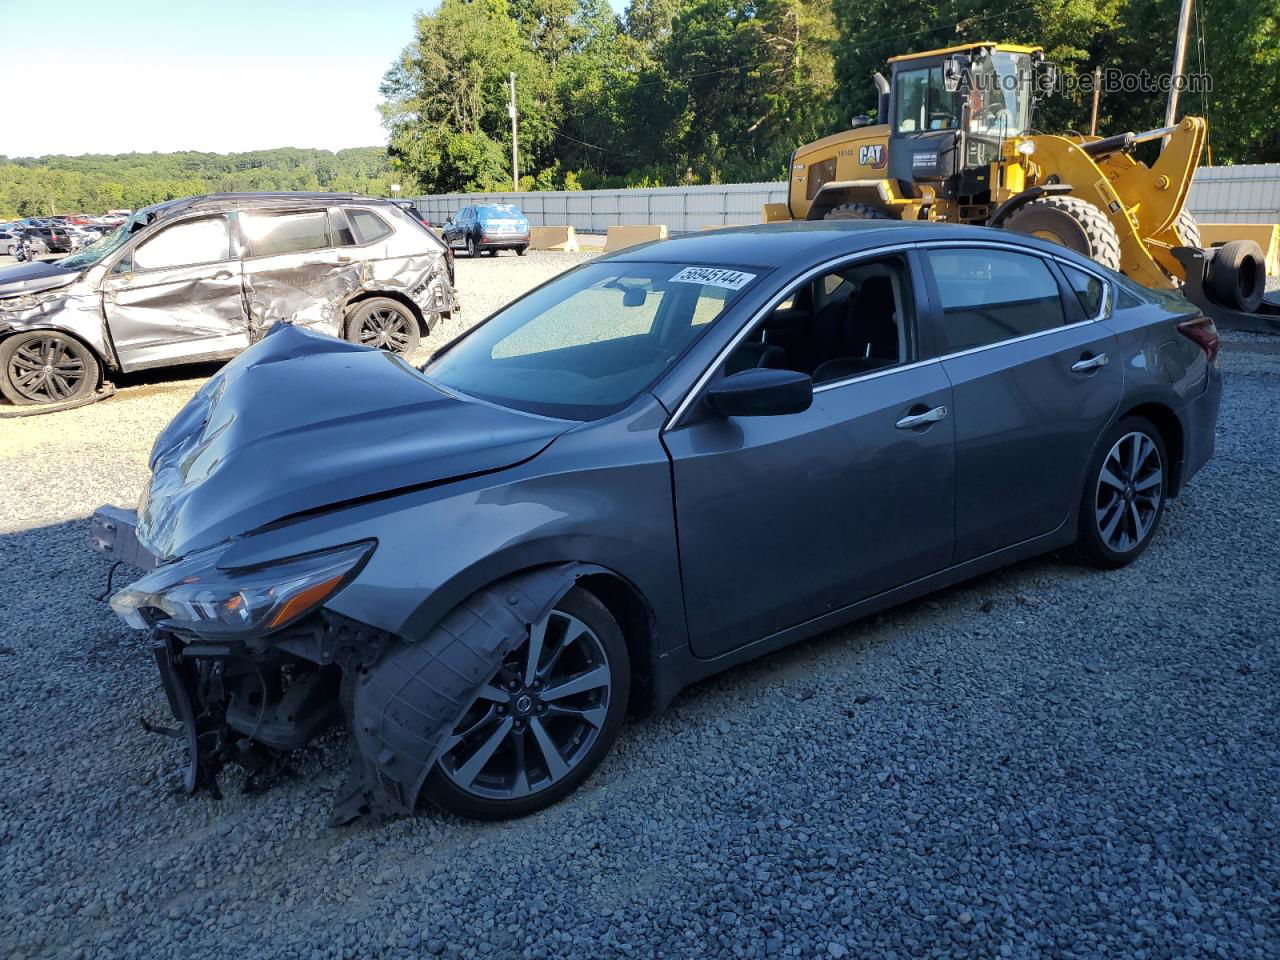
[(202, 278)]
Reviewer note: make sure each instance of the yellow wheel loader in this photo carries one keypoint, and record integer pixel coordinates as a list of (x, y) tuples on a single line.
[(953, 142)]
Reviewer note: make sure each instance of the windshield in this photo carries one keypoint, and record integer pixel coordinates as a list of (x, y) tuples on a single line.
[(587, 343), (105, 246), (1000, 95)]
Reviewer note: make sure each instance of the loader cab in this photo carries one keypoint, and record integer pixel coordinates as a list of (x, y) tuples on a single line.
[(949, 112)]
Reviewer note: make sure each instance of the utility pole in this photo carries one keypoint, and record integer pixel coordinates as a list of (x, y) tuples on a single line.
[(515, 164), (1179, 58), (1097, 95)]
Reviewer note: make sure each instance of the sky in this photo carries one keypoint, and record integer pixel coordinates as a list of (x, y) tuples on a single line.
[(212, 75)]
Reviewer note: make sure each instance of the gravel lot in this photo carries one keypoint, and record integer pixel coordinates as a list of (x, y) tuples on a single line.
[(1048, 761)]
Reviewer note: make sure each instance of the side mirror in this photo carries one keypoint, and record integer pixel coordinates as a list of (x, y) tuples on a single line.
[(761, 392), (952, 73), (861, 122), (448, 221)]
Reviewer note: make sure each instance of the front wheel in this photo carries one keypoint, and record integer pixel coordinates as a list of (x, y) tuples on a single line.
[(44, 367), (543, 721), (1071, 222), (1124, 495), (855, 211), (383, 323)]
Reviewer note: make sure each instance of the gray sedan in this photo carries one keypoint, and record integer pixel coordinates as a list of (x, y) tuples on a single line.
[(653, 467)]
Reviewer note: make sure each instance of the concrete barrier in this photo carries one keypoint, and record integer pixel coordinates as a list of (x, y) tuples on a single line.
[(564, 239), (1267, 236), (619, 237)]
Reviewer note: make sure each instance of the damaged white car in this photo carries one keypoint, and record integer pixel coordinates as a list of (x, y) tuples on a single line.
[(202, 278)]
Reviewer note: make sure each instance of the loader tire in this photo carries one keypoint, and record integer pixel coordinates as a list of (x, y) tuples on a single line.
[(1188, 229), (855, 211), (1238, 276), (1074, 223)]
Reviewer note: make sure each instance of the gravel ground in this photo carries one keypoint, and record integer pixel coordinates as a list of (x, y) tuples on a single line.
[(1048, 761)]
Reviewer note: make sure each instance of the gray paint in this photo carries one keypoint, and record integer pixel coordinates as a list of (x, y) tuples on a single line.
[(737, 536)]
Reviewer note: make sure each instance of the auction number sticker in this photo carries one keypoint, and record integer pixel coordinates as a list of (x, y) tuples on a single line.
[(714, 277)]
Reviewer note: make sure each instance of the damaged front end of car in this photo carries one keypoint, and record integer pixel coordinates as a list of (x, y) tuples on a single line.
[(254, 667)]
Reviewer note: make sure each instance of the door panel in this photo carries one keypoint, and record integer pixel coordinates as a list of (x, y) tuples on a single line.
[(781, 519), (174, 314), (1026, 425)]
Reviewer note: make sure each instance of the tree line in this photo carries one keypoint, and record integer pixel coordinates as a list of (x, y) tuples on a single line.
[(721, 91), (94, 183)]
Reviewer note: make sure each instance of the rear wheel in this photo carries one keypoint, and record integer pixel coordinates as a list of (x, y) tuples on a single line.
[(45, 367), (1124, 495), (1071, 222), (855, 211), (383, 323), (521, 251), (1188, 229), (543, 721), (471, 246)]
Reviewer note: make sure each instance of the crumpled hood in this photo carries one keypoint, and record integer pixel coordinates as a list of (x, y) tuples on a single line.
[(35, 277), (302, 420)]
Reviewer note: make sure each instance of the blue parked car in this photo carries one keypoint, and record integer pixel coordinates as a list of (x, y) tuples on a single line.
[(489, 227)]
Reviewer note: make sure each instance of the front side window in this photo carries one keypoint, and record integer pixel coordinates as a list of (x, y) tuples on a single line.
[(1000, 88), (589, 341), (269, 234), (992, 295), (185, 244), (851, 321), (923, 102)]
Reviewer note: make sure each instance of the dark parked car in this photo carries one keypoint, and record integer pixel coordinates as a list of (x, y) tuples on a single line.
[(488, 227), (203, 277), (655, 466), (55, 237)]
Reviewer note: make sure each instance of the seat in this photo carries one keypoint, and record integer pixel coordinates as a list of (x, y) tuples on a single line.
[(747, 356), (868, 337)]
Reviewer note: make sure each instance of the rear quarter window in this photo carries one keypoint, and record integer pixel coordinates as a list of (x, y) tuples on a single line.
[(367, 225)]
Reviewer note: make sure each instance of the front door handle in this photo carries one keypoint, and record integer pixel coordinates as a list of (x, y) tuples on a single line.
[(1087, 364), (222, 275), (913, 420)]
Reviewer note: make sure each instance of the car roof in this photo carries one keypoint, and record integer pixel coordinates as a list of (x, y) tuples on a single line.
[(770, 245), (240, 201)]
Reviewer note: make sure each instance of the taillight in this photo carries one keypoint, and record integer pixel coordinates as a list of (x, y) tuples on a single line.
[(1204, 334)]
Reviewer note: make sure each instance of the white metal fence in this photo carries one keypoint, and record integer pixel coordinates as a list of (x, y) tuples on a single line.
[(1245, 194)]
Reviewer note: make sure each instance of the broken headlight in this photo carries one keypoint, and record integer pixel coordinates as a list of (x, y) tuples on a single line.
[(194, 596)]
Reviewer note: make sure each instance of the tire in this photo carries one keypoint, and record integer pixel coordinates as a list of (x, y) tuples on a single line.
[(1109, 535), (1188, 229), (1238, 276), (855, 211), (496, 791), (384, 323), (521, 251), (471, 248), (42, 367), (1071, 222)]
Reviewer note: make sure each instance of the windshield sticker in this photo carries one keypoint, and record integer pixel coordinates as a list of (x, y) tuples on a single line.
[(714, 277)]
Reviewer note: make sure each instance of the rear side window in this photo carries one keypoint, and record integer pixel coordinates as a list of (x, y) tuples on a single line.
[(339, 229), (276, 233), (992, 295), (368, 226), (185, 244), (1090, 291)]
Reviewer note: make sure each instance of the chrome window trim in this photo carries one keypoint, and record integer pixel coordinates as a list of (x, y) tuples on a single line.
[(924, 246), (824, 267)]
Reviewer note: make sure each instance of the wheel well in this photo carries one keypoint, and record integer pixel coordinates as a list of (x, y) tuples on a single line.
[(1166, 421), (632, 613), (389, 295), (103, 363)]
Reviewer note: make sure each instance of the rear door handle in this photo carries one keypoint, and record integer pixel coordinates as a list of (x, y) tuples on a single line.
[(913, 420), (222, 275), (1086, 364)]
